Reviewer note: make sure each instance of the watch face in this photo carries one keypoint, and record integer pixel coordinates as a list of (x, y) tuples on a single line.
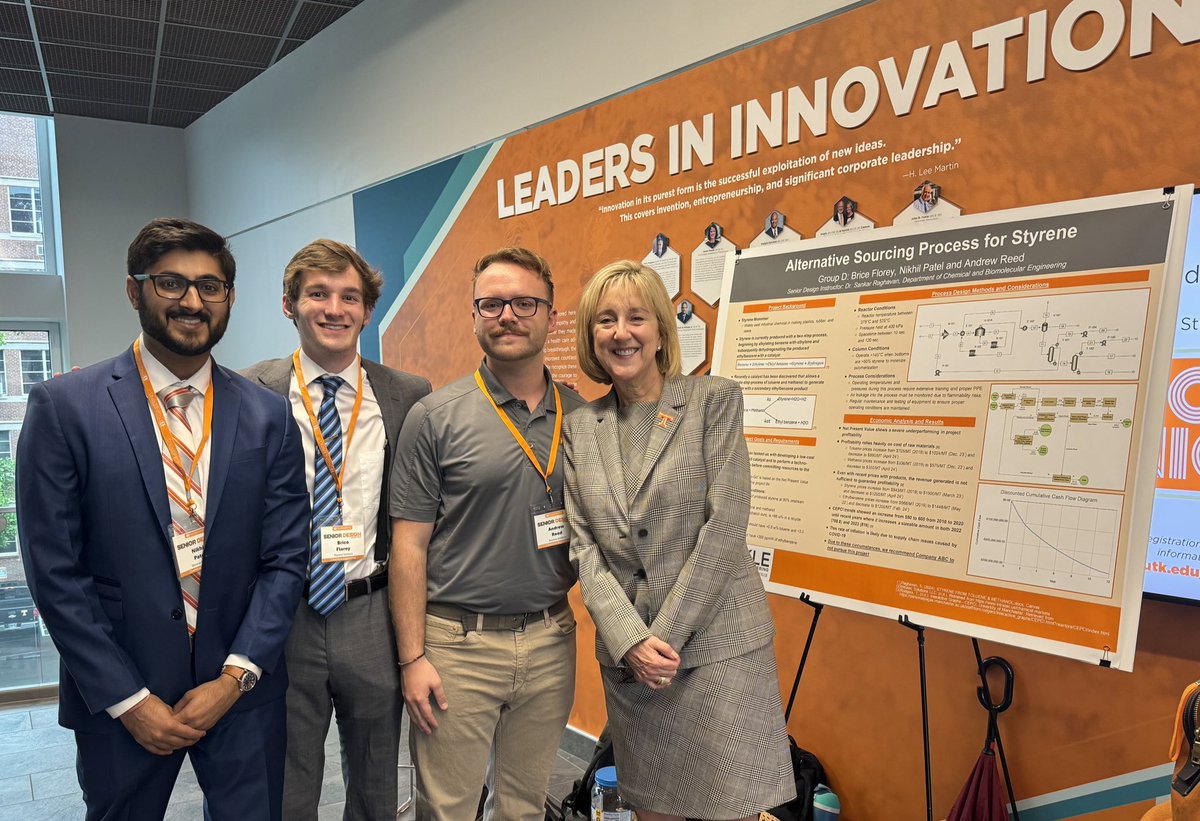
[(247, 682)]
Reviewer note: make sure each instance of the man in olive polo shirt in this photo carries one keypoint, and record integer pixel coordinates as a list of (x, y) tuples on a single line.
[(480, 569)]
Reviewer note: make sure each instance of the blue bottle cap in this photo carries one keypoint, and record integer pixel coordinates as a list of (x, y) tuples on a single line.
[(606, 776)]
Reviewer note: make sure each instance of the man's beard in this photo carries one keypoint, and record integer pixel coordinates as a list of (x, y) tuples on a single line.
[(159, 331)]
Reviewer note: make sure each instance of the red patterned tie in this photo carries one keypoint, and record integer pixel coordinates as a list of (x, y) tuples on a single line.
[(175, 399)]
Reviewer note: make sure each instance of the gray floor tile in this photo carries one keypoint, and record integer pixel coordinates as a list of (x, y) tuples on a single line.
[(18, 740), (15, 790), (187, 788), (14, 720), (53, 783), (38, 759), (63, 808), (185, 811), (44, 716)]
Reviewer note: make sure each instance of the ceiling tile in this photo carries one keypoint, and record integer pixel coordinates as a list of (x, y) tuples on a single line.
[(290, 45), (68, 27), (79, 87), (313, 17), (18, 54), (21, 81), (101, 55), (187, 99), (14, 22), (24, 103), (243, 49), (78, 60), (205, 74), (106, 111), (260, 17), (136, 9)]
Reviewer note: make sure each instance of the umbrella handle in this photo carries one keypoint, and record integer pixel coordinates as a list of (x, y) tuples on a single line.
[(995, 708)]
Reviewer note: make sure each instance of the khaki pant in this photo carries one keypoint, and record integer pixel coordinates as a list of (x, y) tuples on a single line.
[(507, 690)]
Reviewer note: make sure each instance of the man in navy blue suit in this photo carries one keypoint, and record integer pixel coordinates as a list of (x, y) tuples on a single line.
[(164, 529)]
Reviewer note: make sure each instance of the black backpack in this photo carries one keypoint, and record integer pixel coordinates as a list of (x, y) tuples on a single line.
[(578, 802), (809, 773)]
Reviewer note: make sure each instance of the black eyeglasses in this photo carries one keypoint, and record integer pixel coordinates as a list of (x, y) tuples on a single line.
[(172, 286), (490, 307)]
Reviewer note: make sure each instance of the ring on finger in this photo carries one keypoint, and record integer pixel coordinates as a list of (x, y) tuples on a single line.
[(662, 680)]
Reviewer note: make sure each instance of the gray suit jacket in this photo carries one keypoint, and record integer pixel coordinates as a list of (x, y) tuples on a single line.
[(396, 392), (671, 562)]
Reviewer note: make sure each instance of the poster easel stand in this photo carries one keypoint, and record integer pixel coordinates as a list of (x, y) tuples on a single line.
[(984, 694), (812, 631), (920, 631)]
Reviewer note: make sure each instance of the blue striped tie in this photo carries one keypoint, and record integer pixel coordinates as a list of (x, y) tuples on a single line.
[(326, 582)]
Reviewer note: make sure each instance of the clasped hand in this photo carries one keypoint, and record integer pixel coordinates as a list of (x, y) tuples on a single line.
[(653, 663), (162, 730)]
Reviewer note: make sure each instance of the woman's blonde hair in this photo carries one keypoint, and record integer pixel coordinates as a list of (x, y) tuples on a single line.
[(648, 285)]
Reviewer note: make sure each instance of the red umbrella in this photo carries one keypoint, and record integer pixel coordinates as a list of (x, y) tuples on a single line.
[(982, 797)]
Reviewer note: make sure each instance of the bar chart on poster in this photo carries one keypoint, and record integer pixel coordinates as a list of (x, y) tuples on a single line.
[(959, 421)]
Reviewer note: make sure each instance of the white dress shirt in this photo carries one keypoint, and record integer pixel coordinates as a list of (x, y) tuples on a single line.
[(363, 479), (161, 377)]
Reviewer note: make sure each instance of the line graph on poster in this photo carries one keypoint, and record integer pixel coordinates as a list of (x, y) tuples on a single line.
[(1083, 335), (763, 410), (1052, 539)]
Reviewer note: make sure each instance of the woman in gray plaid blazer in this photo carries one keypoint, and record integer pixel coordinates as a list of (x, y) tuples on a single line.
[(658, 495)]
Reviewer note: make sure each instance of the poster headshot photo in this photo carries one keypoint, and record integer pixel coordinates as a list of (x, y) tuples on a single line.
[(844, 210), (773, 227), (713, 234), (926, 196), (660, 244), (685, 311)]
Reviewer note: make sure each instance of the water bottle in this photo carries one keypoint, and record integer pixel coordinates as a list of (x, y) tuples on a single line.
[(826, 806), (607, 803)]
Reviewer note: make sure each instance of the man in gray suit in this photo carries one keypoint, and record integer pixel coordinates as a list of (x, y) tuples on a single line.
[(342, 653)]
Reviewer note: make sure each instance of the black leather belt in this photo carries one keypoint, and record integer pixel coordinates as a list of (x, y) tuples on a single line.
[(361, 587), (494, 621)]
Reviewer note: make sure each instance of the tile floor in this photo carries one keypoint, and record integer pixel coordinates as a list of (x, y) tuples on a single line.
[(37, 772)]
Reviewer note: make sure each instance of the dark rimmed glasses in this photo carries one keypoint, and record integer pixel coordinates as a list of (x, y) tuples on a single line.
[(173, 286), (523, 307)]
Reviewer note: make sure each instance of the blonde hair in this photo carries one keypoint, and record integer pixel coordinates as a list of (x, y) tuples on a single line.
[(649, 287)]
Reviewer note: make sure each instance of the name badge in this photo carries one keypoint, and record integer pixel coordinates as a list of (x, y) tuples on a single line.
[(342, 543), (550, 524), (189, 551)]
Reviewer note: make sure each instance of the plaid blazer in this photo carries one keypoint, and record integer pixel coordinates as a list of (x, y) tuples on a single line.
[(672, 561)]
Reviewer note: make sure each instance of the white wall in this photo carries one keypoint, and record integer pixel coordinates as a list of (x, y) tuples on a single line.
[(257, 327), (113, 178)]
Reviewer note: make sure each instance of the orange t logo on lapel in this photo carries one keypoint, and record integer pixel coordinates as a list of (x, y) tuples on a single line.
[(664, 419)]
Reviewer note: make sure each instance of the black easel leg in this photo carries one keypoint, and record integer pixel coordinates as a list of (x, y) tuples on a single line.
[(812, 631), (904, 620)]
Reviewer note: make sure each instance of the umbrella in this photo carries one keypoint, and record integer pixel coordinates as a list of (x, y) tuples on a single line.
[(982, 797)]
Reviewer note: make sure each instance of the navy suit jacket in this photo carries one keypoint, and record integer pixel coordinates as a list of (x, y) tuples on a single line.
[(95, 539)]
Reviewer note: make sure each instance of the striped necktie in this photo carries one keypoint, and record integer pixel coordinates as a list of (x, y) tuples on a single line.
[(175, 399), (326, 581)]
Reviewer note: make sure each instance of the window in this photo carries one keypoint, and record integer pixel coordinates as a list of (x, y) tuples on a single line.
[(6, 449), (25, 210), (35, 367), (28, 239)]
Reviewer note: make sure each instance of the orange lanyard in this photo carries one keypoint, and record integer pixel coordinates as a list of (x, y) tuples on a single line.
[(168, 437), (516, 434), (316, 426)]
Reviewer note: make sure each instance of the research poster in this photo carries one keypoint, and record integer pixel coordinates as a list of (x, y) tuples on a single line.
[(1173, 560), (958, 421)]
